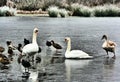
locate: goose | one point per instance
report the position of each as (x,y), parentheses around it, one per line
(56,45)
(74,53)
(32,48)
(108,46)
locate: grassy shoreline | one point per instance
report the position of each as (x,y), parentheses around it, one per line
(73,10)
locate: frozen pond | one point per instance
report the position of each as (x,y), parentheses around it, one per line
(85,33)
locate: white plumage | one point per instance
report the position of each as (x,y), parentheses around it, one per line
(32,48)
(74,53)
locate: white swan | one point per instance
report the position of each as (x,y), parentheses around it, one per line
(32,48)
(108,46)
(74,53)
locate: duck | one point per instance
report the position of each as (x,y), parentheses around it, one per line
(26,64)
(56,45)
(26,41)
(108,45)
(9,44)
(2,49)
(19,47)
(4,59)
(48,43)
(75,54)
(10,49)
(32,48)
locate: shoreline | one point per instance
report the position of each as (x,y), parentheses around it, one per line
(35,15)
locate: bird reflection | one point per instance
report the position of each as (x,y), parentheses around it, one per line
(57,59)
(72,65)
(109,62)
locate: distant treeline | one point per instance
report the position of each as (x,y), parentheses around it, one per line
(44,4)
(3,2)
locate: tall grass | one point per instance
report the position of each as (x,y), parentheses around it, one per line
(53,11)
(63,12)
(106,11)
(80,10)
(6,11)
(97,11)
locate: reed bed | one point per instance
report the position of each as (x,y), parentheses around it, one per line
(97,11)
(54,11)
(106,11)
(6,11)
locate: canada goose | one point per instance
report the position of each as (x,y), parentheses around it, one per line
(108,46)
(75,53)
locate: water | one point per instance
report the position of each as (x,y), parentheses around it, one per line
(85,34)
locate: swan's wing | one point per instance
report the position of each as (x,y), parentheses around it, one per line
(111,43)
(77,54)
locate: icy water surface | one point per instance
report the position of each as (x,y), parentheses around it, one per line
(85,34)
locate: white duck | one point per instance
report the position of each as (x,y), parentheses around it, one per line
(32,48)
(108,46)
(75,53)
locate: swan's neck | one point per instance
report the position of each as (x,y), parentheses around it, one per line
(68,46)
(106,40)
(105,44)
(34,39)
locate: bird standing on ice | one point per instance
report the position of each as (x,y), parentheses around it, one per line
(75,53)
(32,48)
(108,46)
(56,45)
